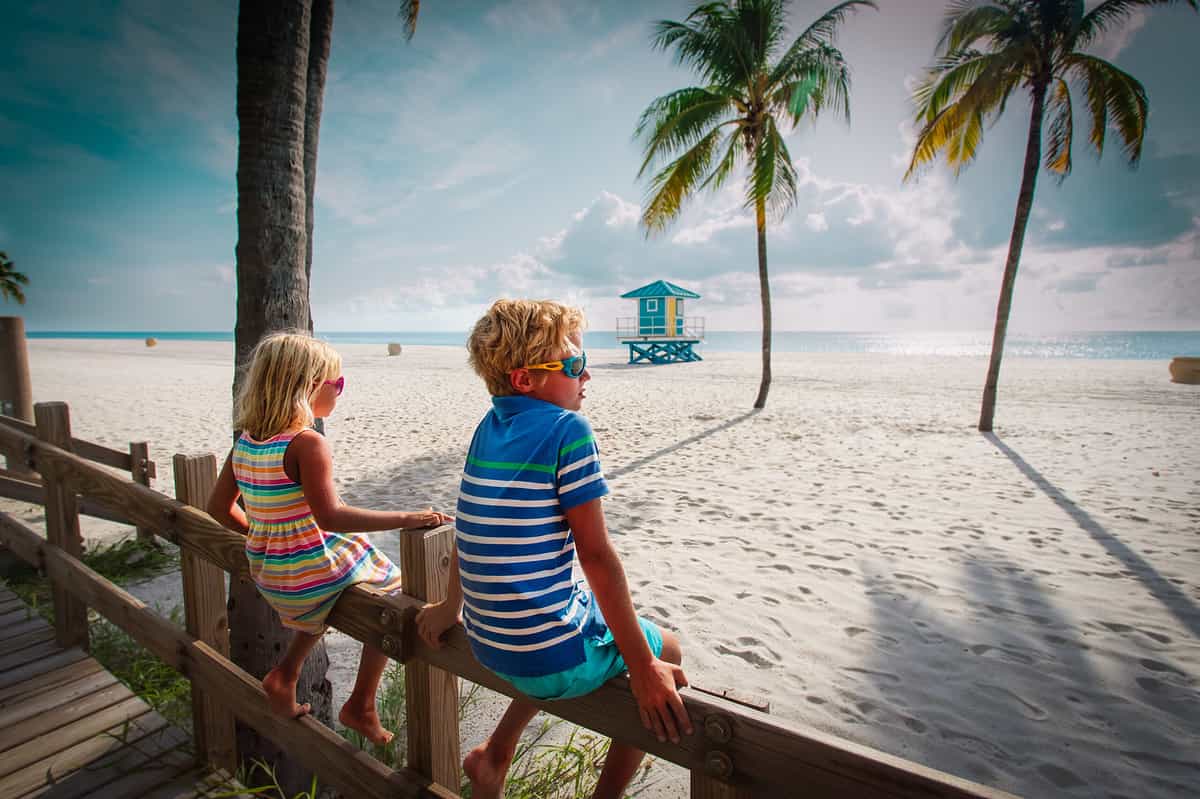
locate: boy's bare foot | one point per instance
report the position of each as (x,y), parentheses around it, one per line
(366,723)
(486,769)
(281,696)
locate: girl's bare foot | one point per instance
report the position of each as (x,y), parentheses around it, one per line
(366,723)
(281,696)
(486,769)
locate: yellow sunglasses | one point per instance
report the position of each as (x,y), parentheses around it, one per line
(571,367)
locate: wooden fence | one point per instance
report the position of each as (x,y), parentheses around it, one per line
(735,752)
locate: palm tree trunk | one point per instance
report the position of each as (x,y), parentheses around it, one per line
(764,288)
(272,282)
(1033,158)
(320,38)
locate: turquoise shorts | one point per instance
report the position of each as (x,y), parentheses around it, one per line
(603,662)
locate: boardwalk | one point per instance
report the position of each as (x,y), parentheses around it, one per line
(68,728)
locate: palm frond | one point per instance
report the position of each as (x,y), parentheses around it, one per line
(1112,13)
(729,162)
(818,80)
(1112,93)
(672,186)
(820,35)
(966,23)
(702,42)
(949,78)
(774,175)
(409,9)
(678,120)
(1062,130)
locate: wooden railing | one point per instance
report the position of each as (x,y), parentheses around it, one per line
(735,752)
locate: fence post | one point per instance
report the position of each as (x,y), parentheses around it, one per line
(62,524)
(431,695)
(206,616)
(139,471)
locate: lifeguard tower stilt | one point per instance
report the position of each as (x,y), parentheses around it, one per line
(660,333)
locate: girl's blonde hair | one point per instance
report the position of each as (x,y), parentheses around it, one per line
(284,370)
(516,333)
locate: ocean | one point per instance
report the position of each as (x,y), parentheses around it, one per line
(1129,345)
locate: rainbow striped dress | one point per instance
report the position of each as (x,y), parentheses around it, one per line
(299,568)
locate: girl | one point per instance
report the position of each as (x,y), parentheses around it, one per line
(294,521)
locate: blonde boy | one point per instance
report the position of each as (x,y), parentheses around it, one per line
(529,503)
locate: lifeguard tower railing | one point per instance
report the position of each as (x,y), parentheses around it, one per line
(628,328)
(737,752)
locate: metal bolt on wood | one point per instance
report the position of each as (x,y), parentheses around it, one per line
(386,617)
(390,645)
(718,729)
(718,764)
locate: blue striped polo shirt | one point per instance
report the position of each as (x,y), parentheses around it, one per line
(529,462)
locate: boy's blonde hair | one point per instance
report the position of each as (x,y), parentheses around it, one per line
(284,369)
(516,333)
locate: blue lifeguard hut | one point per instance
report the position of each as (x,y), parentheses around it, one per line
(660,333)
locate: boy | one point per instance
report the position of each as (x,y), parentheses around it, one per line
(529,502)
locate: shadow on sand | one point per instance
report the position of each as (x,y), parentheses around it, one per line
(640,462)
(1159,587)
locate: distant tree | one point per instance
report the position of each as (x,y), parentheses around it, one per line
(282,60)
(988,51)
(754,87)
(11,280)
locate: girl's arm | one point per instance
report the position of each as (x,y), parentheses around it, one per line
(652,681)
(309,462)
(222,503)
(435,619)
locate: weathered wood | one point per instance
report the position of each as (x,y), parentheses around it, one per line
(19,642)
(705,787)
(64,714)
(337,761)
(49,680)
(768,757)
(13,678)
(431,694)
(37,704)
(34,493)
(102,454)
(139,472)
(62,524)
(70,731)
(12,660)
(70,752)
(103,777)
(206,616)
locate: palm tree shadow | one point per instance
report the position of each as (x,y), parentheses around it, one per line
(1159,587)
(640,462)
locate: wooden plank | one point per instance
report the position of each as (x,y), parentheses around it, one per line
(50,680)
(154,770)
(207,618)
(61,716)
(15,677)
(34,623)
(62,524)
(18,424)
(8,604)
(44,702)
(100,453)
(431,694)
(139,472)
(768,756)
(13,616)
(99,777)
(56,766)
(28,655)
(66,735)
(34,493)
(199,785)
(29,639)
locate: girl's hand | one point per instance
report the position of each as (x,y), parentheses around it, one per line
(433,620)
(428,518)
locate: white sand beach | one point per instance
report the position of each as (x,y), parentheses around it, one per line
(1020,609)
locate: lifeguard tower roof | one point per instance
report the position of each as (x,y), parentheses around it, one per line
(660,288)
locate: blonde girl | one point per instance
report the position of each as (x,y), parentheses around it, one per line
(299,538)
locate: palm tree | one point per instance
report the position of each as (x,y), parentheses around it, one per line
(754,88)
(282,59)
(988,50)
(11,280)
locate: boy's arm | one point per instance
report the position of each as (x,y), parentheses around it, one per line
(435,619)
(653,681)
(222,502)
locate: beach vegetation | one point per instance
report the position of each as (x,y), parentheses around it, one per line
(990,51)
(11,280)
(282,59)
(755,88)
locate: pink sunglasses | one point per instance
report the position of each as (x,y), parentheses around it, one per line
(338,384)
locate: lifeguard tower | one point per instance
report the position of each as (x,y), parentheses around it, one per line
(660,333)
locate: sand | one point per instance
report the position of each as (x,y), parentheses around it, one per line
(1020,609)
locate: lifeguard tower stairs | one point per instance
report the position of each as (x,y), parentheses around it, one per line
(660,333)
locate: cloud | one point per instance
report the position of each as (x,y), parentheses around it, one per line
(817,222)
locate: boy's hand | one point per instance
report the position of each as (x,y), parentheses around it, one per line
(433,620)
(428,518)
(657,695)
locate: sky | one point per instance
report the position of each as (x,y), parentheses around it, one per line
(493,155)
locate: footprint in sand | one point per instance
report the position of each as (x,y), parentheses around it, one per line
(1027,709)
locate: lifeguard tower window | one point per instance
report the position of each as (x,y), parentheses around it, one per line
(652,305)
